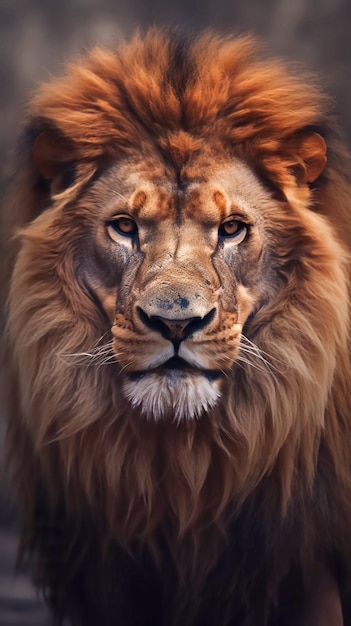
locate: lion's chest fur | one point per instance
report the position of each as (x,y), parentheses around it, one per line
(145,588)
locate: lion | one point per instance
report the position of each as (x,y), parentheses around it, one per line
(178,339)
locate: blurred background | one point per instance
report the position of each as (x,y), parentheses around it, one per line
(37,36)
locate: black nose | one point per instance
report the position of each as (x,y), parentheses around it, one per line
(176,330)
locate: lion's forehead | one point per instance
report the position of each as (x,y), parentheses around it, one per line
(206,193)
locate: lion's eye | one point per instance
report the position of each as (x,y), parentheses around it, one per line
(122,225)
(233,228)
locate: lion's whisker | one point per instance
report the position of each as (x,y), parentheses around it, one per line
(259,351)
(123,198)
(253,353)
(126,365)
(240,359)
(112,358)
(101,355)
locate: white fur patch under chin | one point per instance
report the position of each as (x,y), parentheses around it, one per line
(172,395)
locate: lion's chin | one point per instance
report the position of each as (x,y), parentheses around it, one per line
(173,394)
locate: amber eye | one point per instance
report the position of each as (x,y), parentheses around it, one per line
(122,225)
(233,228)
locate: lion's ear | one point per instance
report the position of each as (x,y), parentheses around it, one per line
(312,152)
(53,157)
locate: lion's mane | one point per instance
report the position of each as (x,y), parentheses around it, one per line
(275,461)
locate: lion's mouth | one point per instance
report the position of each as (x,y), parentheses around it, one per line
(176,367)
(174,390)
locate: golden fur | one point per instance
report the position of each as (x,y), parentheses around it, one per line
(280,435)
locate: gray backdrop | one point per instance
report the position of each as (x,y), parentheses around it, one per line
(36,36)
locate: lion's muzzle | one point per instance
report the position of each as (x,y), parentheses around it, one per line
(175,329)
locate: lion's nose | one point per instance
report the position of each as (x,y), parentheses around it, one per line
(176,330)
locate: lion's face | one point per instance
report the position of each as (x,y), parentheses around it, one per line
(178,264)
